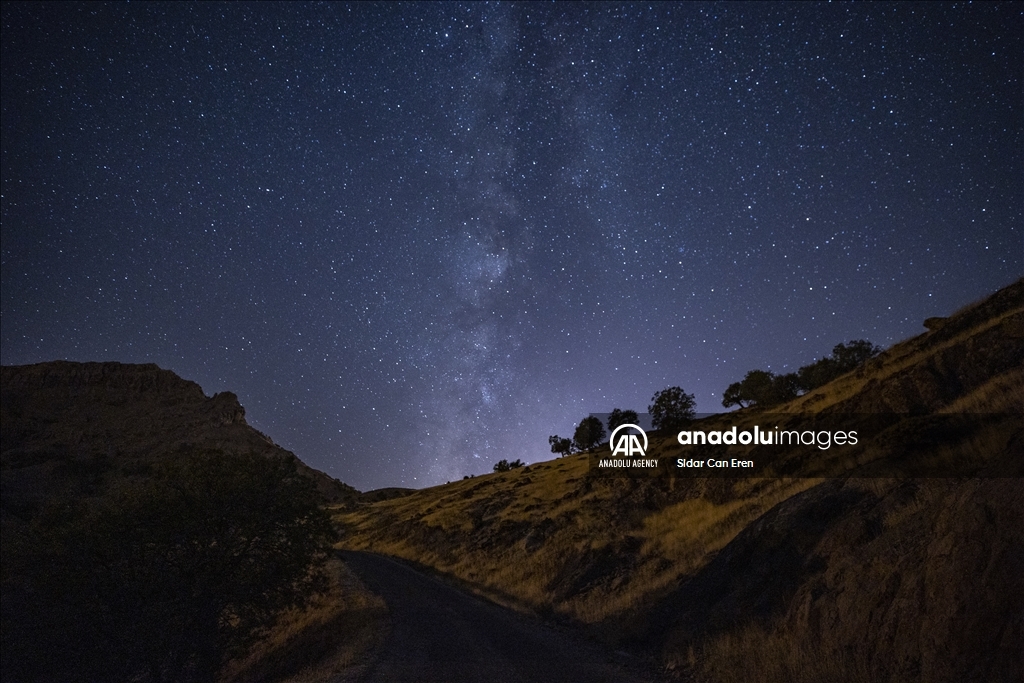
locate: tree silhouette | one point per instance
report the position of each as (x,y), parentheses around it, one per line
(560,445)
(589,433)
(734,396)
(671,408)
(763,388)
(853,353)
(506,466)
(844,358)
(622,417)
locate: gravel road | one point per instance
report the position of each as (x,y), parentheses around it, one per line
(441,634)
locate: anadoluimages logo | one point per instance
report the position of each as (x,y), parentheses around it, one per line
(628,444)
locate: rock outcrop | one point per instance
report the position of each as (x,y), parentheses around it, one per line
(60,420)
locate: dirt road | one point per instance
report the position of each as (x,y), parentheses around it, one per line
(441,634)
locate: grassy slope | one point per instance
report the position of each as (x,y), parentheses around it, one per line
(626,558)
(327,641)
(551,539)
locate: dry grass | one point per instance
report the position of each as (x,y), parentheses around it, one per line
(757,655)
(553,539)
(678,541)
(321,643)
(687,532)
(1001,394)
(550,539)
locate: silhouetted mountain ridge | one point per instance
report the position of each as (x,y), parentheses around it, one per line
(67,426)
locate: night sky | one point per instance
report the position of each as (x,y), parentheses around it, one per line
(419,238)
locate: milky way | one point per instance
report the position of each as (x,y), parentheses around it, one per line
(419,238)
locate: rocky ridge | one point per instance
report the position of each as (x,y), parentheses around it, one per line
(65,424)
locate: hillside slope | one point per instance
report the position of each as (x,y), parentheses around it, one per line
(768,579)
(67,425)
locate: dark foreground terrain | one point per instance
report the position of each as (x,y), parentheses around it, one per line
(868,575)
(438,633)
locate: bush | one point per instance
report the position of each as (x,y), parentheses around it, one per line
(505,466)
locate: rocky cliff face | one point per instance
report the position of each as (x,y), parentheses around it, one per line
(59,420)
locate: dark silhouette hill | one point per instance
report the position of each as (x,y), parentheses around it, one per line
(67,428)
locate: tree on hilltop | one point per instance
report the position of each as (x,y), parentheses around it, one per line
(735,396)
(671,408)
(854,353)
(844,358)
(561,446)
(622,417)
(589,433)
(761,388)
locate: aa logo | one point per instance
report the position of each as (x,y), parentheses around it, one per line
(628,444)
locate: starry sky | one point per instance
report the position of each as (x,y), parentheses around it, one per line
(419,238)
